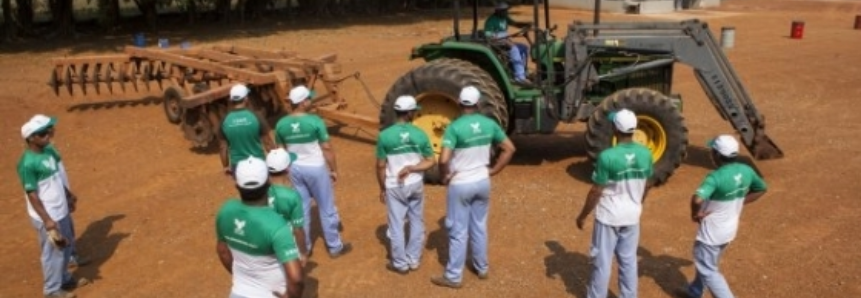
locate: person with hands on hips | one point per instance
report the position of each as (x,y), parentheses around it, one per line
(243,132)
(716,206)
(619,187)
(254,243)
(464,164)
(496,29)
(286,201)
(403,154)
(48,205)
(315,170)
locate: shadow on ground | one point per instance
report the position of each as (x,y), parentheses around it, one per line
(98,244)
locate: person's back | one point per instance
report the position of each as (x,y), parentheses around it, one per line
(724,191)
(242,129)
(302,134)
(472,136)
(402,145)
(288,203)
(624,171)
(260,241)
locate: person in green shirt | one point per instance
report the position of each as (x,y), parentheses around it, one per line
(496,29)
(716,207)
(254,243)
(48,205)
(465,167)
(403,154)
(286,200)
(619,187)
(243,132)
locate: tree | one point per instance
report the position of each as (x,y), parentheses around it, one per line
(63,16)
(25,14)
(9,25)
(149,10)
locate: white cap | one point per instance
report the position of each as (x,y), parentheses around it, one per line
(406,103)
(299,94)
(38,123)
(469,96)
(624,120)
(251,173)
(279,160)
(726,145)
(238,92)
(502,5)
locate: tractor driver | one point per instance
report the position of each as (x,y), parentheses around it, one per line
(496,29)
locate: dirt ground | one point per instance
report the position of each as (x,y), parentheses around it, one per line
(147,201)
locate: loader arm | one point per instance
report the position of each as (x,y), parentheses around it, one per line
(689,42)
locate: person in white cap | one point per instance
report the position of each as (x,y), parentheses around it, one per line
(619,187)
(403,154)
(254,243)
(48,205)
(75,260)
(315,170)
(286,200)
(496,29)
(243,132)
(716,206)
(465,168)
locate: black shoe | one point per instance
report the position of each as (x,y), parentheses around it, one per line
(523,82)
(74,284)
(345,249)
(444,282)
(392,268)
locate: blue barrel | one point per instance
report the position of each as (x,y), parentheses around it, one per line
(140,40)
(163,43)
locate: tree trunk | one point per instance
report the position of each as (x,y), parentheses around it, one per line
(63,15)
(9,26)
(149,10)
(24,14)
(110,13)
(223,9)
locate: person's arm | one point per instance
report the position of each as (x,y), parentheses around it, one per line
(297,222)
(326,146)
(287,253)
(592,200)
(295,280)
(224,256)
(381,178)
(425,164)
(697,212)
(757,189)
(223,151)
(49,223)
(265,138)
(31,188)
(508,149)
(444,171)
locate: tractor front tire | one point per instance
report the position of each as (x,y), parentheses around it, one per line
(172,109)
(660,127)
(436,86)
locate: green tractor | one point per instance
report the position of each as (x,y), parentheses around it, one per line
(594,70)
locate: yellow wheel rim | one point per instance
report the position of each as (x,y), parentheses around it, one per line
(650,133)
(437,111)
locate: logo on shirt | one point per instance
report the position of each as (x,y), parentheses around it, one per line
(475,127)
(239,227)
(405,137)
(295,127)
(271,201)
(630,158)
(737,178)
(50,163)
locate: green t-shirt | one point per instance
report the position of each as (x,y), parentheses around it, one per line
(724,191)
(402,145)
(623,171)
(255,230)
(288,203)
(497,26)
(242,130)
(302,134)
(40,173)
(470,138)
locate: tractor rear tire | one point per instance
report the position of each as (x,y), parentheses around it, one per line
(436,86)
(660,127)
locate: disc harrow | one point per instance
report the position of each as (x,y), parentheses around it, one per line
(193,84)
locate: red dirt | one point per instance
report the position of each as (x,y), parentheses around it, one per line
(147,201)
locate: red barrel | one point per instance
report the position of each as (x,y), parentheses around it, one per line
(797,31)
(858,22)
